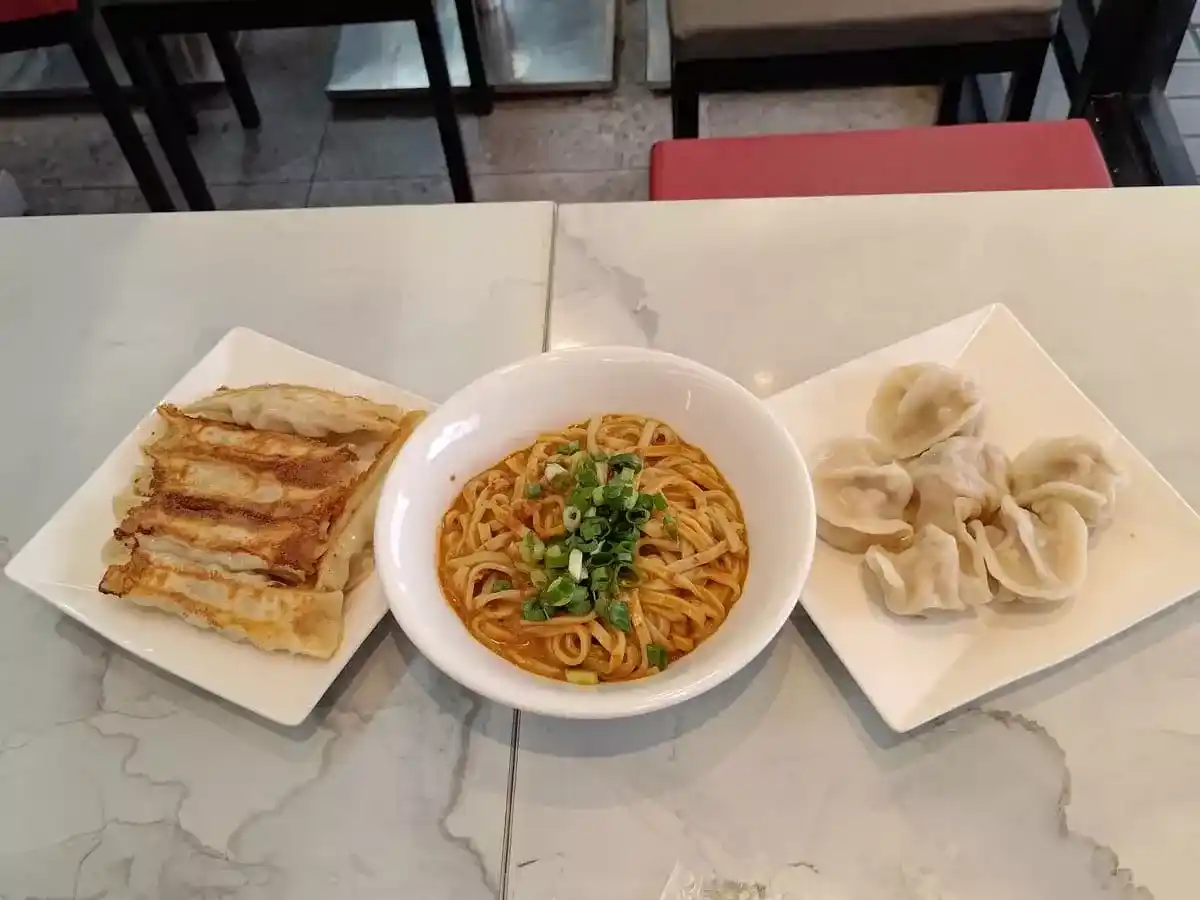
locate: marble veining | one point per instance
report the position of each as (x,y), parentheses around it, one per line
(1078,782)
(119,781)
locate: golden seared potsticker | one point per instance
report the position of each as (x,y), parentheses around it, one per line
(253,512)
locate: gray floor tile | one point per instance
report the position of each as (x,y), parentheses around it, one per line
(728,115)
(565,187)
(1189,49)
(63,151)
(288,68)
(631,51)
(381,192)
(1185,80)
(288,195)
(1193,149)
(53,201)
(361,148)
(1187,115)
(571,134)
(285,148)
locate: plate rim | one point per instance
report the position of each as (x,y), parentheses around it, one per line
(920,713)
(237,340)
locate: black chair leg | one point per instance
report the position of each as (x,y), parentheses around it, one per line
(177,98)
(685,103)
(107,92)
(440,89)
(1023,88)
(235,79)
(166,125)
(481,92)
(951,103)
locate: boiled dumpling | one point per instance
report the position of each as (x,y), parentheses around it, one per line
(958,479)
(1073,469)
(936,572)
(861,495)
(916,406)
(1038,553)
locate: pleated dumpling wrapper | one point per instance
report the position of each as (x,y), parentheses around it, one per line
(1074,469)
(958,479)
(917,406)
(938,572)
(1037,554)
(861,496)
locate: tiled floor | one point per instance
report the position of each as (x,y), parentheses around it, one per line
(308,153)
(1183,90)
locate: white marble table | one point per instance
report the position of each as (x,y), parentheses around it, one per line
(117,781)
(1081,784)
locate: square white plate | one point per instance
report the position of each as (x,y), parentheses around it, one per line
(63,563)
(914,669)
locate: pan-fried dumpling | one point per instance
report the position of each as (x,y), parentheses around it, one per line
(1073,469)
(958,479)
(1037,554)
(916,406)
(297,409)
(938,572)
(861,495)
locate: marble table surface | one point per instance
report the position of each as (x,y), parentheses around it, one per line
(1082,783)
(117,781)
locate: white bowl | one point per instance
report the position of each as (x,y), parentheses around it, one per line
(505,411)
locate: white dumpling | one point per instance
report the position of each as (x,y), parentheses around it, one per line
(298,409)
(1075,469)
(938,572)
(1036,554)
(916,406)
(958,479)
(861,494)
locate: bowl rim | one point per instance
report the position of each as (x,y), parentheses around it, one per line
(583,704)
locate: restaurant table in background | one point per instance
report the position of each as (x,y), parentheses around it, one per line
(116,779)
(785,776)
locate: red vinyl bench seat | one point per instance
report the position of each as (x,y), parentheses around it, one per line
(1009,156)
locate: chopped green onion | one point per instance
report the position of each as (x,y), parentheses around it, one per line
(598,496)
(538,578)
(582,676)
(571,518)
(585,472)
(631,500)
(626,461)
(602,602)
(659,500)
(618,615)
(502,584)
(581,498)
(532,548)
(553,470)
(580,603)
(556,557)
(558,592)
(532,611)
(637,516)
(656,655)
(575,564)
(568,449)
(533,491)
(614,493)
(625,476)
(672,528)
(600,456)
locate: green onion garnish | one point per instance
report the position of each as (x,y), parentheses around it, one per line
(502,584)
(532,611)
(656,655)
(587,569)
(672,528)
(618,615)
